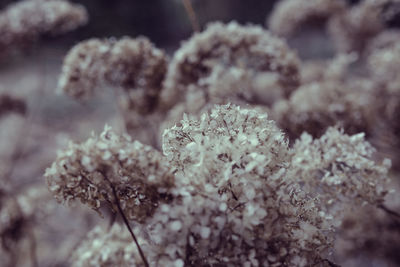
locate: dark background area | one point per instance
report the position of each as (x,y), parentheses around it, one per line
(165,22)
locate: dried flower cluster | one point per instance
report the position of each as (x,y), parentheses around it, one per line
(226,185)
(228,63)
(341,167)
(236,196)
(106,248)
(25,21)
(289,16)
(134,65)
(232,62)
(108,167)
(327,98)
(350,27)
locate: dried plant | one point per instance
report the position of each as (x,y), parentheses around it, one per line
(24,22)
(288,16)
(342,168)
(134,67)
(106,248)
(351,30)
(92,171)
(328,98)
(228,63)
(226,185)
(231,62)
(233,189)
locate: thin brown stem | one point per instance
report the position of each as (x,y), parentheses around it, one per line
(125,219)
(192,15)
(389,211)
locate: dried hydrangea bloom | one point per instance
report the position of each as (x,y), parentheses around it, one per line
(341,168)
(275,226)
(107,248)
(289,15)
(25,21)
(230,138)
(193,106)
(328,99)
(230,61)
(352,30)
(10,104)
(371,234)
(108,165)
(134,65)
(316,106)
(233,203)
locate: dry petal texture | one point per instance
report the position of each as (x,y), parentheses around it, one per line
(290,15)
(231,62)
(134,65)
(328,98)
(107,248)
(237,195)
(25,21)
(91,171)
(233,203)
(341,168)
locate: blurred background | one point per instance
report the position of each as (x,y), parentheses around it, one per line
(29,144)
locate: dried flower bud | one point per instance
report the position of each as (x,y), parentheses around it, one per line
(134,65)
(290,15)
(25,21)
(91,171)
(107,248)
(231,62)
(341,168)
